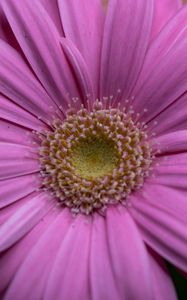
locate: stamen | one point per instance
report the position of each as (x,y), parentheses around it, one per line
(94,158)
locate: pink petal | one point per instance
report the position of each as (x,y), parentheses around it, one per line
(163,11)
(6,33)
(126,36)
(179,159)
(172,143)
(39,261)
(169,37)
(16,255)
(163,285)
(171,119)
(16,160)
(14,134)
(40,42)
(13,113)
(23,220)
(9,210)
(171,171)
(80,69)
(161,214)
(118,257)
(158,85)
(53,10)
(18,83)
(69,275)
(80,26)
(102,279)
(11,190)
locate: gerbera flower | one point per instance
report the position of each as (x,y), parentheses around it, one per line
(93,147)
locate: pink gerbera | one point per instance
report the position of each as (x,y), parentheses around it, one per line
(93,149)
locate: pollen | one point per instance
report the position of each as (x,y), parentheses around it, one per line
(94,158)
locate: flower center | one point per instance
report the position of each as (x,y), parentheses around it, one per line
(93,159)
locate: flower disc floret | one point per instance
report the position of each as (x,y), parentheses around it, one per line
(94,158)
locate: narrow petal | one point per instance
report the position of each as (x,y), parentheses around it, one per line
(169,37)
(11,190)
(6,33)
(53,10)
(128,254)
(13,113)
(69,275)
(24,220)
(172,143)
(126,36)
(16,160)
(40,259)
(18,83)
(12,259)
(9,210)
(40,42)
(118,256)
(163,285)
(80,69)
(14,134)
(164,10)
(179,159)
(80,26)
(159,85)
(171,119)
(3,25)
(102,279)
(171,171)
(161,214)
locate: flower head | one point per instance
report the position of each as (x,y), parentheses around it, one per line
(93,149)
(94,158)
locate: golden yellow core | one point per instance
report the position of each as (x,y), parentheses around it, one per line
(94,157)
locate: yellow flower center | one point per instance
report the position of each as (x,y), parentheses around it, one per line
(93,159)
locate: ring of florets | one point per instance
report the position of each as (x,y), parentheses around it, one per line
(94,158)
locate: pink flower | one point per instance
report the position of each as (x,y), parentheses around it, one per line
(92,192)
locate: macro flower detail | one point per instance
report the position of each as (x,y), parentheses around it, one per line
(93,149)
(94,158)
